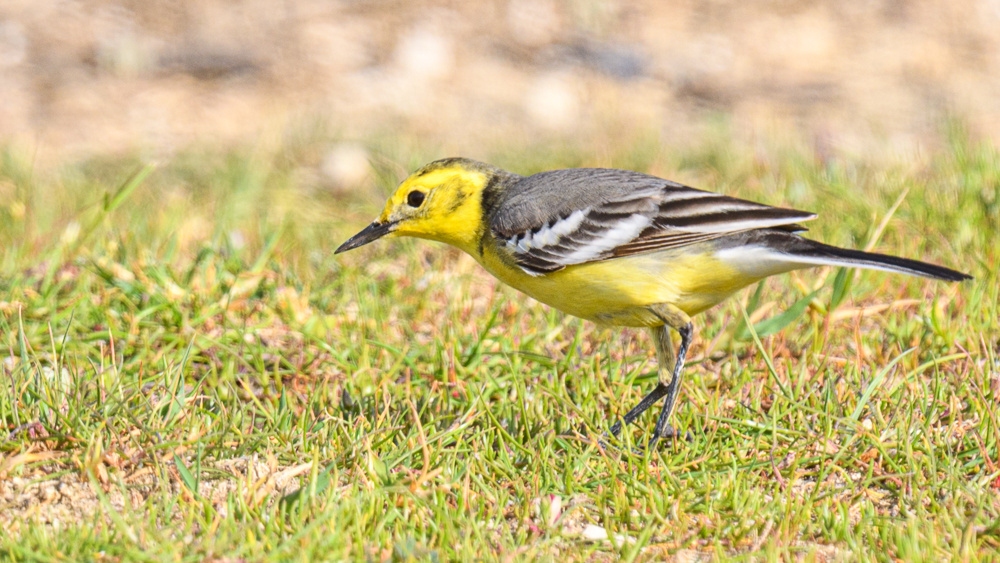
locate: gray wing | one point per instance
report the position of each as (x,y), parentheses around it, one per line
(556,219)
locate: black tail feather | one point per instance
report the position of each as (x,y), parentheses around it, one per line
(884,261)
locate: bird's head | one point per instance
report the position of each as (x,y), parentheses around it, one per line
(442,201)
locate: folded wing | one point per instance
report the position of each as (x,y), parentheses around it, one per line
(557,219)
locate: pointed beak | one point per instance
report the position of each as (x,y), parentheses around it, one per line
(370,233)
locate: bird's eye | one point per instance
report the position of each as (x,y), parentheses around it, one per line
(415,198)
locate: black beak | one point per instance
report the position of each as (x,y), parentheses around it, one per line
(372,232)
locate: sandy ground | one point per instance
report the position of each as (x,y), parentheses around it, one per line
(86,77)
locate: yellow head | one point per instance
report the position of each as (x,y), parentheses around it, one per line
(442,201)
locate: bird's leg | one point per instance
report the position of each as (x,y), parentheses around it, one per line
(649,400)
(670,370)
(664,347)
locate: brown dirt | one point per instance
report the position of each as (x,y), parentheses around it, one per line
(50,495)
(90,77)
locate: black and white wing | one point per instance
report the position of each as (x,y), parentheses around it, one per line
(556,219)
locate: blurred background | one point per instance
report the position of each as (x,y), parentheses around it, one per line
(80,78)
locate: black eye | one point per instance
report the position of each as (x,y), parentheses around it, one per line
(415,198)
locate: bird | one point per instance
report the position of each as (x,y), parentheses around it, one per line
(616,247)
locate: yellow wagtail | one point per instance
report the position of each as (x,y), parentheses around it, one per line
(615,247)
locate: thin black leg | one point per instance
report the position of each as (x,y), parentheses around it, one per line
(649,400)
(663,429)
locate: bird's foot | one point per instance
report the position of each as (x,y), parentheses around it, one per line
(669,434)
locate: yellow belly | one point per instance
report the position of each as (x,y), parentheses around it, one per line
(618,291)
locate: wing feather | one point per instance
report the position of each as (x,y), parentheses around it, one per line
(564,217)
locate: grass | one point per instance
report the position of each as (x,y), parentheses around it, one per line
(188,373)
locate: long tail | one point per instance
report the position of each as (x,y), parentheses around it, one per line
(781,247)
(831,255)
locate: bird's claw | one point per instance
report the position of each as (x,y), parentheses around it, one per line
(669,434)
